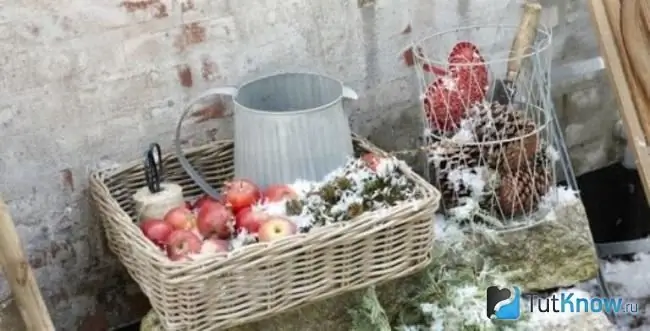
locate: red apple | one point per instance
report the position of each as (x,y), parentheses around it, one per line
(180,218)
(182,243)
(188,205)
(241,193)
(371,160)
(279,192)
(276,228)
(250,219)
(215,218)
(215,245)
(202,200)
(156,230)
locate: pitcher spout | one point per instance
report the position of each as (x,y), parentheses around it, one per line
(349,93)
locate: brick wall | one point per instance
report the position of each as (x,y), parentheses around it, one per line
(90,83)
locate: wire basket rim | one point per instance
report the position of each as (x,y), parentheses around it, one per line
(544,41)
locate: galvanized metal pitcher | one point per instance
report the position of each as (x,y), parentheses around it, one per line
(288,126)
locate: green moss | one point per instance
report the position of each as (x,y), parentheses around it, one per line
(294,207)
(329,193)
(368,190)
(355,209)
(343,183)
(553,254)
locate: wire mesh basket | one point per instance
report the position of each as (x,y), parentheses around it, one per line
(488,116)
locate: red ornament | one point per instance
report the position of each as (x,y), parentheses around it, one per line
(469,66)
(464,84)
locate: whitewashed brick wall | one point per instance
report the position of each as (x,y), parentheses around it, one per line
(87,83)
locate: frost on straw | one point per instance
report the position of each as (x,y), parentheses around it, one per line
(454,298)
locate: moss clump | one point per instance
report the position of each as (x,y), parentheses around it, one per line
(294,207)
(353,190)
(558,252)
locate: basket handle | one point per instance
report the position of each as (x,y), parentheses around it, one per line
(226,90)
(526,34)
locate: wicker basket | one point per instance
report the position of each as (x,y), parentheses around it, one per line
(258,280)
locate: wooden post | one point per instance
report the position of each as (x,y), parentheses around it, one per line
(20,276)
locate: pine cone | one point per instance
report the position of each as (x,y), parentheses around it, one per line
(494,123)
(520,192)
(452,192)
(445,157)
(517,154)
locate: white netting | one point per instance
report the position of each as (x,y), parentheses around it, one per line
(489,133)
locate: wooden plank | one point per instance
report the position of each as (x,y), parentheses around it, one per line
(615,68)
(20,276)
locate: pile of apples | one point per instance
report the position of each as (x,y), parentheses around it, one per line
(208,225)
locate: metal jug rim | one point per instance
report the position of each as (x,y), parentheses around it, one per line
(345,93)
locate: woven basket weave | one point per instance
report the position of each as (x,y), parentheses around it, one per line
(259,280)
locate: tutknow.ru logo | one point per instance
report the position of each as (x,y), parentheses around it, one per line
(569,303)
(503,303)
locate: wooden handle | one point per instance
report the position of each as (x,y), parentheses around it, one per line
(20,276)
(526,34)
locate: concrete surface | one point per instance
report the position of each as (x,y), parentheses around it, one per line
(89,83)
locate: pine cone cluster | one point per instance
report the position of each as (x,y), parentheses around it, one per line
(507,143)
(508,137)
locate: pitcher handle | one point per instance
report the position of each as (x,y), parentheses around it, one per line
(226,90)
(349,93)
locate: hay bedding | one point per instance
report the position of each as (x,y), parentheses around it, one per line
(627,279)
(468,263)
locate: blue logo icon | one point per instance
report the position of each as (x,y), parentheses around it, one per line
(503,303)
